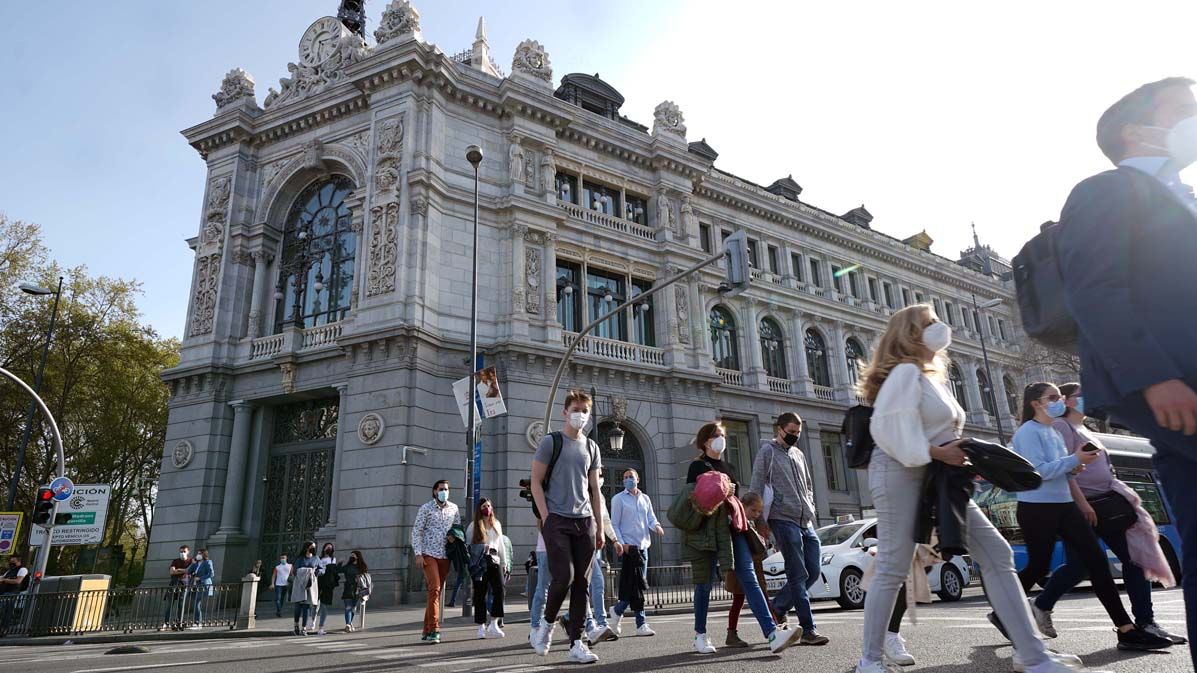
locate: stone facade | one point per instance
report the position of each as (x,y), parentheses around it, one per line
(263,404)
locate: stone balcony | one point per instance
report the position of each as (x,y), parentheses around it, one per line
(292,340)
(620,351)
(612,223)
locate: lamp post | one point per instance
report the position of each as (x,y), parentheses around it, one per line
(37,291)
(474,156)
(988,372)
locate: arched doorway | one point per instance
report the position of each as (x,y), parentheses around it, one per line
(631,454)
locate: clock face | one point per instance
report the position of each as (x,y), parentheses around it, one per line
(320,41)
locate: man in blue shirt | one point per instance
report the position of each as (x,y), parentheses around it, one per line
(633,518)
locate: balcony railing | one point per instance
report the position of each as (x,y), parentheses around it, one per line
(825,393)
(765,276)
(314,337)
(311,338)
(784,386)
(611,349)
(609,222)
(731,377)
(265,347)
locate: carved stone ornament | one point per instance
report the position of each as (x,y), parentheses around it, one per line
(288,377)
(532,273)
(548,172)
(515,160)
(181,456)
(689,221)
(384,247)
(532,60)
(386,175)
(325,50)
(236,87)
(534,433)
(216,213)
(530,171)
(370,429)
(619,408)
(665,218)
(203,304)
(682,301)
(419,205)
(359,142)
(390,137)
(398,19)
(517,300)
(667,119)
(313,155)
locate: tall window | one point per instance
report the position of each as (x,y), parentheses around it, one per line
(704,237)
(317,262)
(567,188)
(837,278)
(957,382)
(816,275)
(774,267)
(889,294)
(905,297)
(723,339)
(854,284)
(569,296)
(833,458)
(816,358)
(986,393)
(855,355)
(947,314)
(635,208)
(873,290)
(796,266)
(977,321)
(605,292)
(642,315)
(920,298)
(1002,329)
(773,350)
(752,243)
(935,302)
(1012,402)
(601,198)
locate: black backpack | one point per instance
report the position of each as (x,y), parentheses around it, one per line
(855,429)
(1040,290)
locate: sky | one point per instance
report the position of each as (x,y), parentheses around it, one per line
(933,115)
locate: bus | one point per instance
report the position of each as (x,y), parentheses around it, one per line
(1130,458)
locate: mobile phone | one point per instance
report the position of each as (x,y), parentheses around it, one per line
(1090,447)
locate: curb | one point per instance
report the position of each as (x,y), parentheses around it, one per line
(165,636)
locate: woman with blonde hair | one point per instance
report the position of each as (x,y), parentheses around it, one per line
(916,420)
(488,559)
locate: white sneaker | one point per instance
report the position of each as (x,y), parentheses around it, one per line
(782,637)
(533,633)
(702,644)
(894,649)
(195,627)
(613,620)
(598,634)
(322,632)
(544,639)
(481,631)
(493,630)
(1043,619)
(643,630)
(1053,666)
(580,654)
(1069,662)
(871,667)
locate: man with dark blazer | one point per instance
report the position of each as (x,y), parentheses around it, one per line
(1127,249)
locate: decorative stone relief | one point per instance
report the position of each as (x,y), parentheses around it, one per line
(271,171)
(390,136)
(682,301)
(360,143)
(238,86)
(668,120)
(665,220)
(515,160)
(517,300)
(619,408)
(203,305)
(530,171)
(532,273)
(313,155)
(325,50)
(182,454)
(386,175)
(288,376)
(219,193)
(688,223)
(384,247)
(390,145)
(534,433)
(419,205)
(370,429)
(398,19)
(548,172)
(532,61)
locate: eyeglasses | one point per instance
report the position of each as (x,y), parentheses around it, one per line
(1050,398)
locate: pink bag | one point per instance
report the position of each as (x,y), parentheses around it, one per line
(711,489)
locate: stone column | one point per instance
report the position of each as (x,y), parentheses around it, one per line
(839,363)
(234,479)
(756,376)
(818,469)
(254,329)
(552,327)
(972,390)
(801,376)
(702,332)
(519,318)
(329,529)
(1002,396)
(356,202)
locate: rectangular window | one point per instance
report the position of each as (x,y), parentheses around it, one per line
(905,297)
(752,243)
(704,237)
(635,208)
(992,326)
(854,284)
(723,236)
(873,290)
(920,298)
(947,313)
(888,291)
(569,301)
(1002,329)
(796,262)
(739,445)
(833,459)
(837,280)
(604,292)
(773,260)
(938,308)
(977,321)
(816,276)
(964,316)
(567,188)
(642,315)
(600,198)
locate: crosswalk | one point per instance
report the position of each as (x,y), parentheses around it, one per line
(456,663)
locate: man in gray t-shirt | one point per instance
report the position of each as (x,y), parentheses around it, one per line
(572,528)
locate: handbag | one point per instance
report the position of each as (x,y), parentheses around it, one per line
(859,444)
(1114,512)
(756,546)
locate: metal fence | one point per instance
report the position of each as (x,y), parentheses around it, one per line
(123,610)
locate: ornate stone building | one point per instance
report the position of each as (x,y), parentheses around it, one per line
(329,312)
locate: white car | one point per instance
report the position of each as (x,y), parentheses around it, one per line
(844,558)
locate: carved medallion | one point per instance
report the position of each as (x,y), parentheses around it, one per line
(182,453)
(370,428)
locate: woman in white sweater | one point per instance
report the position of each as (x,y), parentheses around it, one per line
(486,530)
(916,420)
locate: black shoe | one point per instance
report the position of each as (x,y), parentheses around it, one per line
(813,637)
(450,604)
(1141,639)
(997,624)
(1156,630)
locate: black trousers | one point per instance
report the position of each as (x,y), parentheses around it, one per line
(493,580)
(1042,523)
(569,544)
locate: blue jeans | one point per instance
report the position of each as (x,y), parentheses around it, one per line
(621,606)
(800,548)
(200,592)
(543,577)
(280,597)
(350,605)
(1067,576)
(746,574)
(457,587)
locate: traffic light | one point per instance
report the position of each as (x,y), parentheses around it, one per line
(60,519)
(43,508)
(739,272)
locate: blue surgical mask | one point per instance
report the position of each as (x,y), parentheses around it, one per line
(442,496)
(1080,405)
(629,484)
(1056,409)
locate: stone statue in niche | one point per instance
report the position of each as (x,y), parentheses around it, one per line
(664,211)
(548,172)
(515,159)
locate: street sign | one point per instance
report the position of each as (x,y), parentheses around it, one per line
(10,531)
(488,399)
(62,488)
(88,507)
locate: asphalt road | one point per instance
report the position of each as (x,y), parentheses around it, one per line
(949,637)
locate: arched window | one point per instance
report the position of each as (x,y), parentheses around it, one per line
(316,266)
(723,339)
(986,393)
(1011,395)
(773,349)
(957,382)
(854,354)
(816,358)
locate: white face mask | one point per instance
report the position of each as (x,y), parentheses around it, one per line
(183,555)
(937,336)
(578,420)
(1180,142)
(718,445)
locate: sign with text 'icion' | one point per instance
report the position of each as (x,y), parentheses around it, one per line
(88,507)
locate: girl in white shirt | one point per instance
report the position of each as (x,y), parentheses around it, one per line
(916,420)
(486,530)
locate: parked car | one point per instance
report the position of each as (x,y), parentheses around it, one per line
(844,558)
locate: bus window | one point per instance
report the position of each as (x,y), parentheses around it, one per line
(1153,502)
(1001,509)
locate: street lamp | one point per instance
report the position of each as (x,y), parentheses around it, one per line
(474,156)
(37,291)
(985,353)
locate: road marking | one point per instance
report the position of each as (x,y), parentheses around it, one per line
(134,668)
(451,662)
(385,653)
(393,655)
